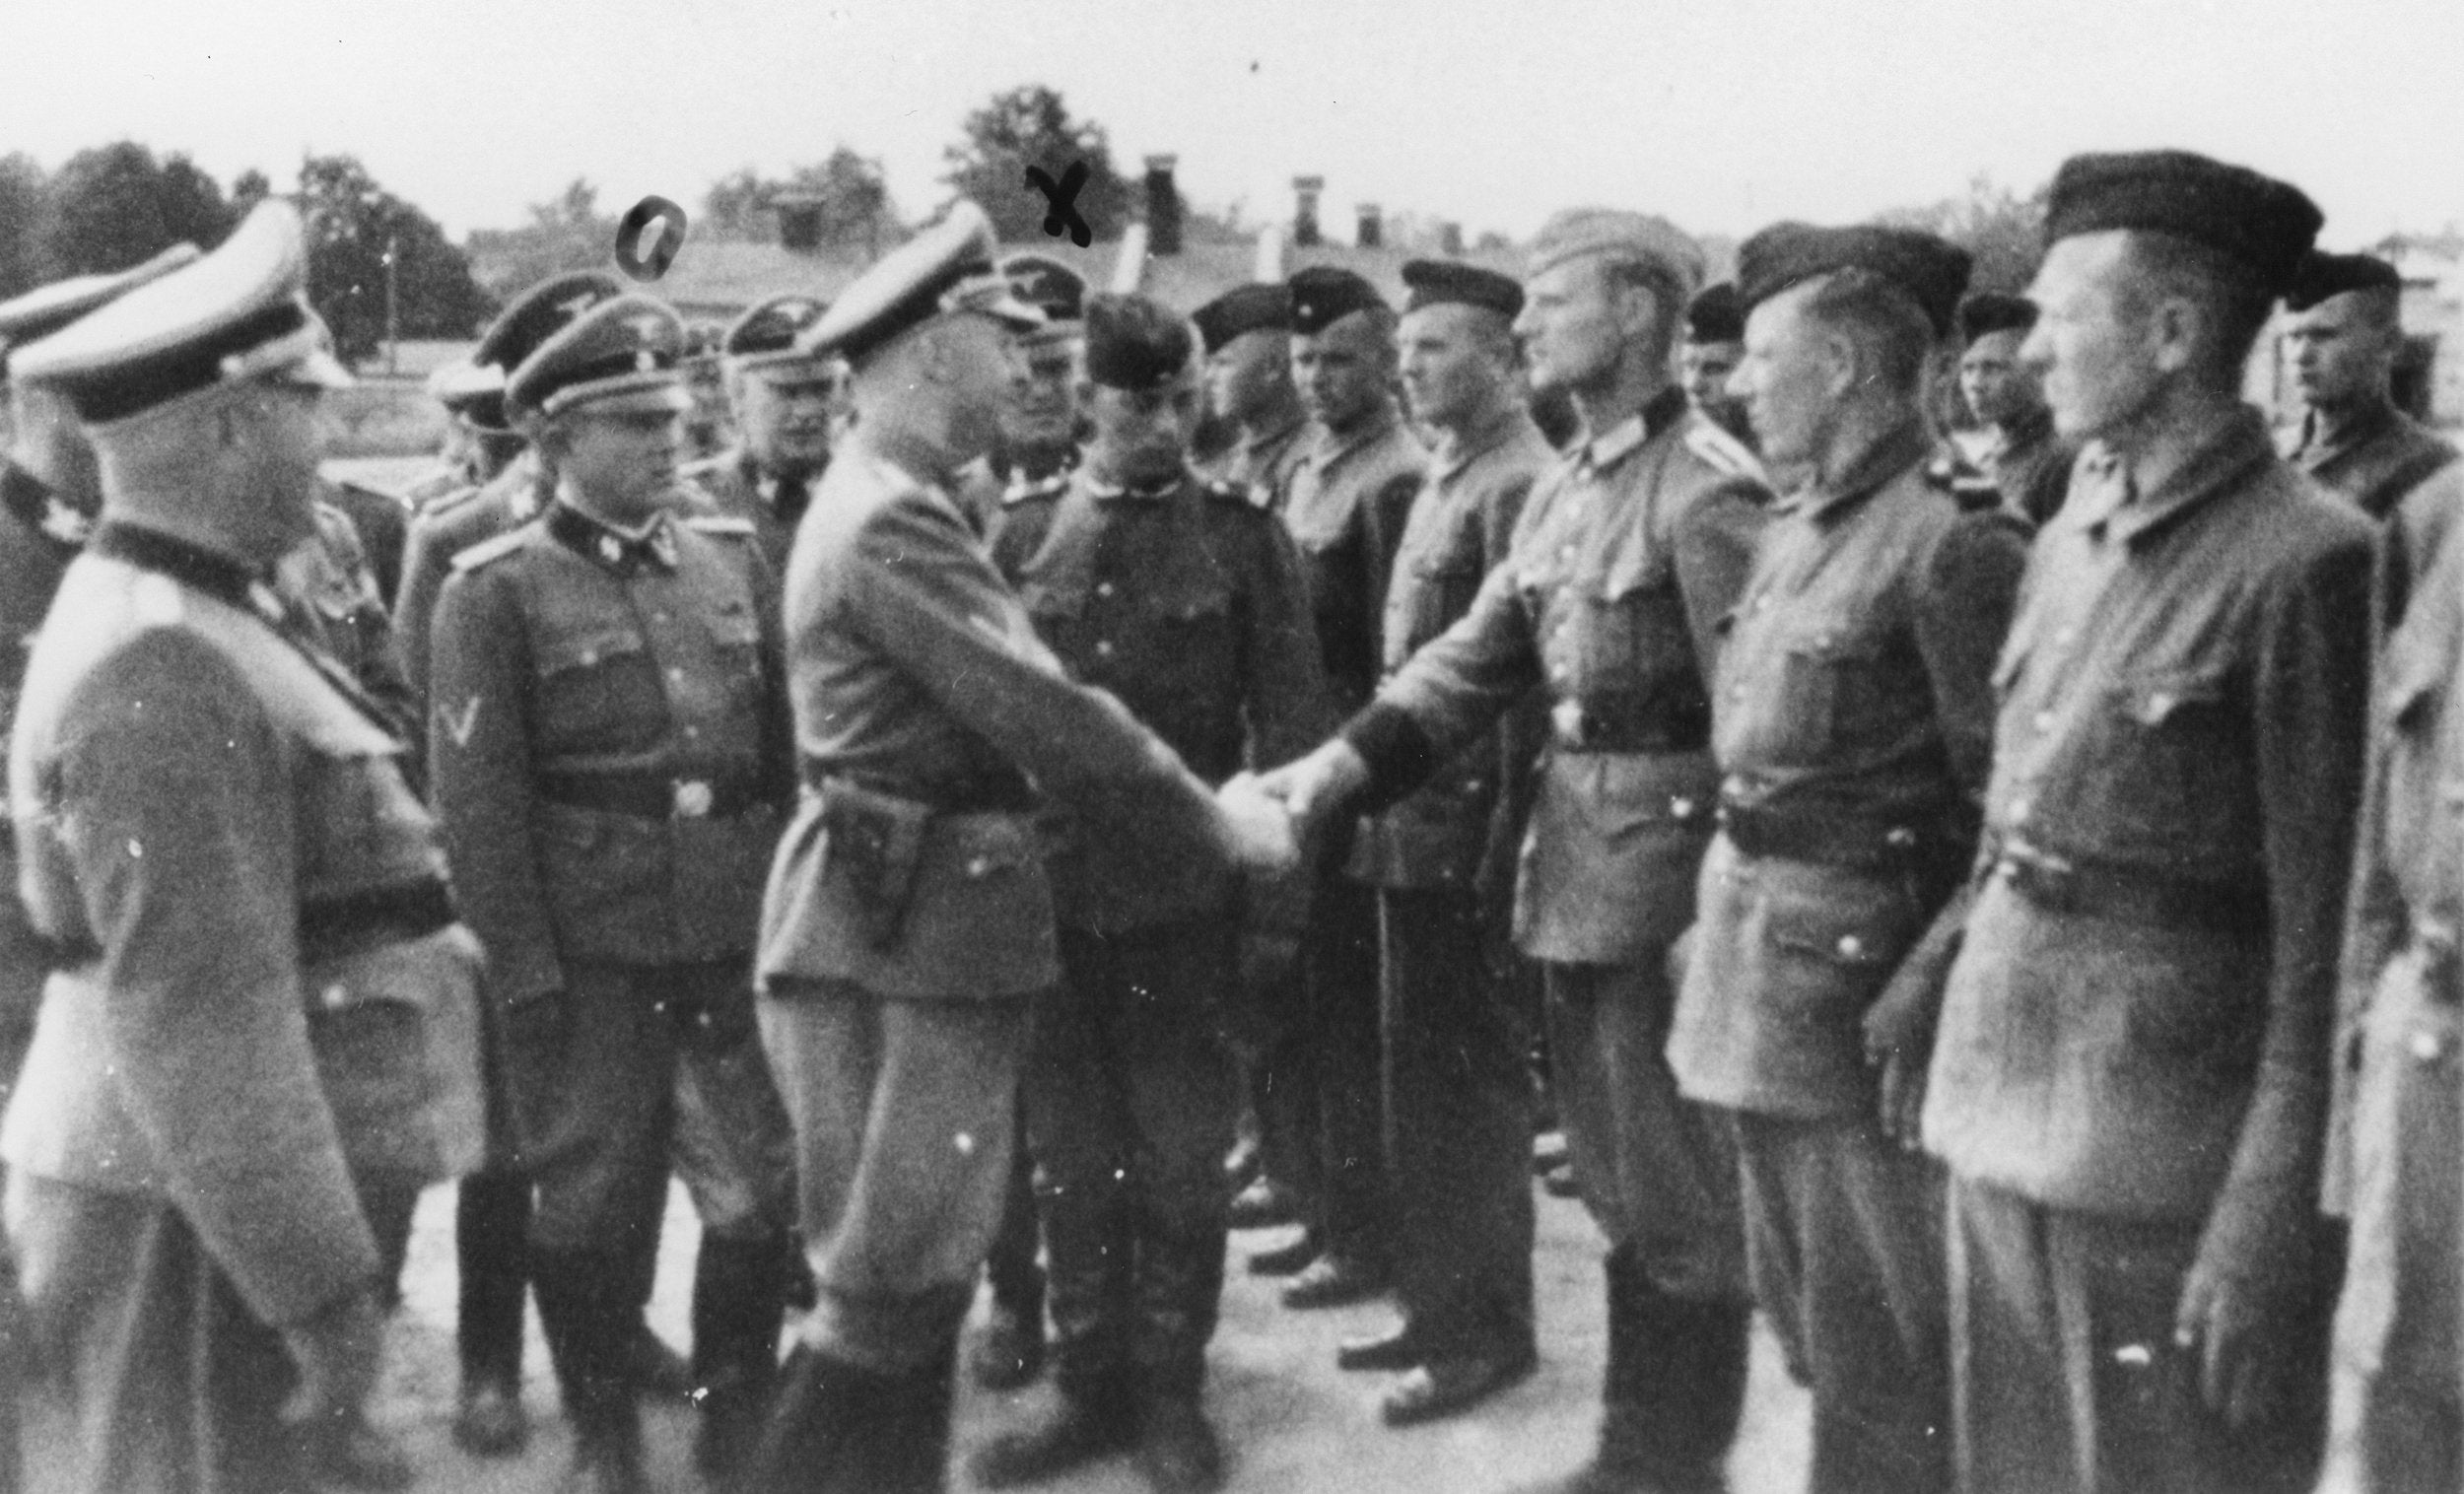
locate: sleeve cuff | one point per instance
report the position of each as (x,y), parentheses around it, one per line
(1399,754)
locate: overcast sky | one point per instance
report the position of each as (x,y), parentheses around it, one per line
(1723,115)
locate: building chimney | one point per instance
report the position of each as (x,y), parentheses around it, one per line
(1450,239)
(799,220)
(1305,190)
(1372,228)
(1163,206)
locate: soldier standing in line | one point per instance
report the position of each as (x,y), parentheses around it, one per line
(2345,326)
(783,399)
(1345,504)
(1184,600)
(256,967)
(1246,336)
(477,443)
(2395,1160)
(907,917)
(2028,466)
(2129,1084)
(1853,728)
(609,749)
(1458,1094)
(1633,549)
(1715,342)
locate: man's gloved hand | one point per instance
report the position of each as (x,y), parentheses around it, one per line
(2245,1296)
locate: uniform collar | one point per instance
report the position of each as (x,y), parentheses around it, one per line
(1374,427)
(782,495)
(2222,459)
(2323,438)
(1021,480)
(1865,471)
(1107,491)
(626,554)
(218,575)
(40,509)
(1276,435)
(1600,452)
(1458,452)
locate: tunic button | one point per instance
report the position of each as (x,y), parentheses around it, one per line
(1851,947)
(675,676)
(590,657)
(2019,808)
(2044,721)
(1103,589)
(1104,648)
(2427,1046)
(1681,809)
(658,617)
(338,996)
(979,866)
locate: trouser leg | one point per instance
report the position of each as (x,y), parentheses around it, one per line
(492,1265)
(1340,954)
(1844,1238)
(1077,1123)
(1012,1269)
(1459,1124)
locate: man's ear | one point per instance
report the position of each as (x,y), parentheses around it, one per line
(2175,327)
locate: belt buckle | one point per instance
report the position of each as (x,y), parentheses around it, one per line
(1566,716)
(691,799)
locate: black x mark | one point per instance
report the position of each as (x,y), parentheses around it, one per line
(1063,197)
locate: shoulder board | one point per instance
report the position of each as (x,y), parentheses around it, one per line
(720,523)
(488,550)
(1723,453)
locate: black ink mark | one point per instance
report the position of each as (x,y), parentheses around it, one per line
(1062,198)
(636,229)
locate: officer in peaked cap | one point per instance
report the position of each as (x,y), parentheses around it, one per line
(786,401)
(1715,340)
(709,427)
(478,442)
(1849,829)
(1455,1073)
(907,917)
(1346,504)
(2129,1079)
(49,491)
(1009,492)
(259,990)
(1634,545)
(2028,466)
(1184,602)
(2345,324)
(608,742)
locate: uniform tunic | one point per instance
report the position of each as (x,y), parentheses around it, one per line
(1854,706)
(894,960)
(1633,548)
(2133,1044)
(1260,464)
(2374,457)
(443,530)
(739,489)
(2031,466)
(1457,1088)
(1184,602)
(259,993)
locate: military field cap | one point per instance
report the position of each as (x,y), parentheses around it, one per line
(1634,238)
(763,340)
(238,315)
(1716,316)
(1244,310)
(1046,285)
(618,357)
(1990,312)
(2265,224)
(1451,281)
(1323,296)
(540,312)
(45,310)
(945,270)
(2319,277)
(1133,343)
(1931,270)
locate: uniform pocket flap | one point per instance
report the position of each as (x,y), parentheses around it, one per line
(2154,700)
(1835,935)
(584,649)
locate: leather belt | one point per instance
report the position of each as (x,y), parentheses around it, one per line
(1847,842)
(2124,893)
(648,797)
(1641,720)
(328,927)
(1005,795)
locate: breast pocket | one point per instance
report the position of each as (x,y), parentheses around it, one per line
(599,691)
(1827,688)
(2166,772)
(738,636)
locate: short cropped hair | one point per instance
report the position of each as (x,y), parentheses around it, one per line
(1881,319)
(2235,300)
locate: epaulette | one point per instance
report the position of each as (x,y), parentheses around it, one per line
(488,550)
(1723,453)
(720,523)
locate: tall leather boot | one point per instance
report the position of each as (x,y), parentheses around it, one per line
(905,1447)
(808,1443)
(1091,1255)
(586,1305)
(1181,1237)
(1687,1384)
(739,1287)
(492,1264)
(1620,1464)
(1012,1351)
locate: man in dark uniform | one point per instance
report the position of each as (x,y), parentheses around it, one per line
(2396,1142)
(1459,1096)
(1245,336)
(1028,468)
(2028,466)
(1633,549)
(709,427)
(1715,342)
(1853,730)
(477,443)
(610,748)
(783,399)
(251,940)
(907,916)
(2130,1079)
(1184,600)
(2345,327)
(1346,503)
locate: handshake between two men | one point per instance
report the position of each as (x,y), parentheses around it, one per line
(1267,816)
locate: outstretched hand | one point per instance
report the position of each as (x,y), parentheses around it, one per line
(1313,786)
(1259,829)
